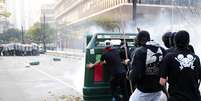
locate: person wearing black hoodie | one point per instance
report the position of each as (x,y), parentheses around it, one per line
(168,41)
(183,70)
(145,69)
(166,38)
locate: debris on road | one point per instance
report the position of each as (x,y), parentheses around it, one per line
(57,97)
(70,98)
(28,66)
(56,59)
(49,92)
(34,63)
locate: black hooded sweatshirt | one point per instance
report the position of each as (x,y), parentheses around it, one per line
(145,67)
(183,71)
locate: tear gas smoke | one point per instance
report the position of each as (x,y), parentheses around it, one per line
(175,19)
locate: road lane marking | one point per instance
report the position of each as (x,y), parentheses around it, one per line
(56,79)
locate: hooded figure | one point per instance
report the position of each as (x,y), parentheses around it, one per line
(142,38)
(182,68)
(167,38)
(145,69)
(182,39)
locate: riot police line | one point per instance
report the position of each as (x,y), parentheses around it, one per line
(18,49)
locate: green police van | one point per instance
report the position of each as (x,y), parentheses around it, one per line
(96,80)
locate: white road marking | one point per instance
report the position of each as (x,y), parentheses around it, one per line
(56,79)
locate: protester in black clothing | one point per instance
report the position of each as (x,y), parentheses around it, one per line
(168,40)
(145,69)
(136,44)
(190,47)
(1,50)
(183,70)
(125,58)
(124,51)
(112,60)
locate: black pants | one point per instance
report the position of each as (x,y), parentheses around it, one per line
(118,87)
(183,98)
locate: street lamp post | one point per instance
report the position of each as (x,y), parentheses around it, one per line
(22,34)
(134,9)
(43,33)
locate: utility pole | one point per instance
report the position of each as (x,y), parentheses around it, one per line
(44,34)
(22,30)
(134,9)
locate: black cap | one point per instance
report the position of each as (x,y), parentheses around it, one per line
(142,37)
(182,39)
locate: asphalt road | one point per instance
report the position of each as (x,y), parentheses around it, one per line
(48,81)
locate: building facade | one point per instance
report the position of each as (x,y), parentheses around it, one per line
(47,15)
(4,24)
(70,13)
(75,15)
(171,2)
(47,21)
(71,10)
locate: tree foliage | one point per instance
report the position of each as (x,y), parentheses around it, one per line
(107,23)
(36,33)
(2,1)
(11,35)
(5,14)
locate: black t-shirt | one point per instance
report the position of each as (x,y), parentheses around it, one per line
(123,54)
(183,71)
(113,62)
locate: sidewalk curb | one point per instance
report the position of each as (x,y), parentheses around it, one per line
(66,54)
